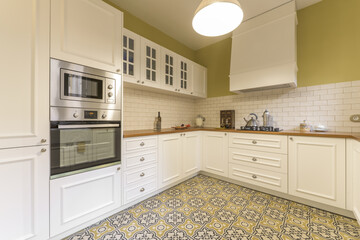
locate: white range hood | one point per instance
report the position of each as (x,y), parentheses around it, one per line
(263,54)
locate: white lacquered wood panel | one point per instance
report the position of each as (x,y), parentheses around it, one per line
(199,81)
(129,36)
(139,143)
(24,58)
(259,142)
(139,174)
(79,198)
(141,158)
(192,152)
(215,153)
(263,178)
(170,159)
(356,180)
(317,169)
(86,32)
(263,160)
(139,190)
(24,187)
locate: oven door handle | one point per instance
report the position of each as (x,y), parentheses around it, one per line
(88,126)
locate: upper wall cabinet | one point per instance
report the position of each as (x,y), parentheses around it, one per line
(168,70)
(263,53)
(24,91)
(199,80)
(86,32)
(185,71)
(150,58)
(131,56)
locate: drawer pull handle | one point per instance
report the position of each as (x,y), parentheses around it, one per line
(254,159)
(142,159)
(291,139)
(254,142)
(43,140)
(43,150)
(254,176)
(142,144)
(142,189)
(142,174)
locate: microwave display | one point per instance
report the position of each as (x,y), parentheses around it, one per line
(81,86)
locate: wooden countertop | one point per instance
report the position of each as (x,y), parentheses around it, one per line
(149,132)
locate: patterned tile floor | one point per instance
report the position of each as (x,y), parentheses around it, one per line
(205,208)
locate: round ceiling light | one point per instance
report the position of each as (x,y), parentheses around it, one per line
(217,17)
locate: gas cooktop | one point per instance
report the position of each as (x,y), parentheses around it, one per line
(261,129)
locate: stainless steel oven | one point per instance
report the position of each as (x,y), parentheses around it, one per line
(84,144)
(74,85)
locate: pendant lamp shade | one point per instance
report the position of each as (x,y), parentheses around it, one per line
(217,17)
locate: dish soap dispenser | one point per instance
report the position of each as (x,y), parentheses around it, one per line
(157,123)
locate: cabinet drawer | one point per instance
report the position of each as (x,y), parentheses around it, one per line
(141,174)
(263,178)
(134,144)
(263,160)
(139,159)
(259,142)
(139,190)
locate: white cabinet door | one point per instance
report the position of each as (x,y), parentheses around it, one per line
(199,81)
(24,91)
(86,32)
(317,169)
(169,77)
(215,153)
(170,159)
(131,56)
(356,179)
(24,187)
(185,70)
(150,63)
(79,198)
(192,152)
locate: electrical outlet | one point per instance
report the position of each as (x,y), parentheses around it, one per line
(355,118)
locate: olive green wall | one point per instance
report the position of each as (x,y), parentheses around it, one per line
(140,27)
(328,35)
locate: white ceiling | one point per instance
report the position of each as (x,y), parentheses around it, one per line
(174,17)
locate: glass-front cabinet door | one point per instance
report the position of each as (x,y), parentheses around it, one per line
(185,75)
(150,58)
(131,56)
(168,70)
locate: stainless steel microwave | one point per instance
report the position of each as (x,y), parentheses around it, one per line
(73,85)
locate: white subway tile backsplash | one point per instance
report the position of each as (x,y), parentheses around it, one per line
(330,104)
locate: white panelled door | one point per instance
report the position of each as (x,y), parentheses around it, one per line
(356,179)
(131,56)
(24,91)
(87,32)
(24,188)
(192,152)
(317,169)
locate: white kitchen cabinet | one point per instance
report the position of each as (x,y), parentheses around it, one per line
(170,159)
(215,153)
(82,197)
(185,71)
(317,169)
(24,187)
(169,77)
(150,63)
(192,152)
(87,32)
(131,56)
(199,81)
(24,58)
(353,177)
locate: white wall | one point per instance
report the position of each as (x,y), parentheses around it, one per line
(330,104)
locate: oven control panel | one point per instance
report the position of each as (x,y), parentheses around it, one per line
(80,114)
(110,90)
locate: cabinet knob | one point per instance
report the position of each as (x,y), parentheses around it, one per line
(175,90)
(191,93)
(142,144)
(118,169)
(142,174)
(291,139)
(225,134)
(254,176)
(142,189)
(142,159)
(254,159)
(138,81)
(43,150)
(254,142)
(142,82)
(117,70)
(43,140)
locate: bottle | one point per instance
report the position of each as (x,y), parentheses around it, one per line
(157,122)
(266,118)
